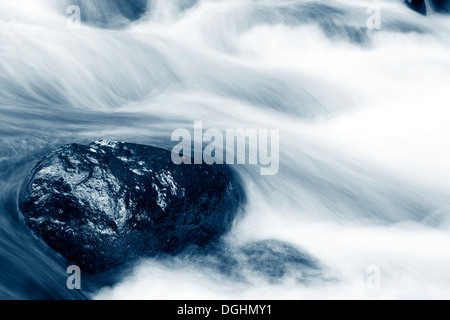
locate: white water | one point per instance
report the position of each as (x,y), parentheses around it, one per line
(365,151)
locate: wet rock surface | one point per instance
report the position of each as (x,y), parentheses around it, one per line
(106,203)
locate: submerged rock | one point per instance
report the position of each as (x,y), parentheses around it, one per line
(441,6)
(269,260)
(275,260)
(417,5)
(108,13)
(103,204)
(118,14)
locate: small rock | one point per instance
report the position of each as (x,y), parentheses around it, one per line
(441,6)
(108,13)
(417,5)
(270,260)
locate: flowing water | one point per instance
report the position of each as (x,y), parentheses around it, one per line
(364,179)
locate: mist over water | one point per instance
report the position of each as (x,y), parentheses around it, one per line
(364,176)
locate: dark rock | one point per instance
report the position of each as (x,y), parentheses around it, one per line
(118,13)
(109,13)
(417,5)
(442,6)
(103,204)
